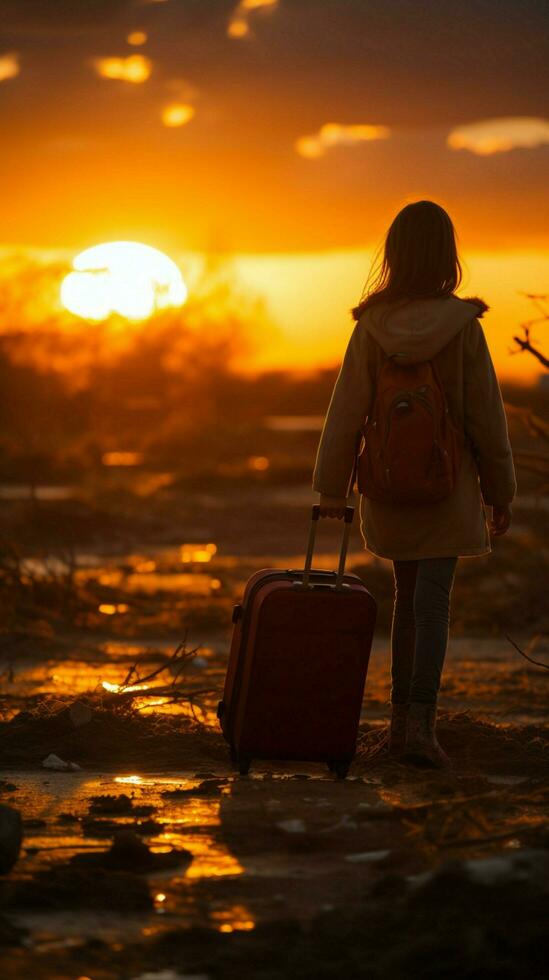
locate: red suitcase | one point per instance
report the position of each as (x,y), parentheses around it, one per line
(297,664)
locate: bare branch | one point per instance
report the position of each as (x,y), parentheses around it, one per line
(538,663)
(525,344)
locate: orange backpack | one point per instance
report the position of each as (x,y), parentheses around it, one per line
(411,449)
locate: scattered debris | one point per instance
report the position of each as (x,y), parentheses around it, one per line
(118,736)
(367,857)
(292,826)
(524,866)
(53,761)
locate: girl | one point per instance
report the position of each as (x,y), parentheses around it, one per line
(409,314)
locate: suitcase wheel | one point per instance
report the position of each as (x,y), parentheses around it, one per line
(240,762)
(339,767)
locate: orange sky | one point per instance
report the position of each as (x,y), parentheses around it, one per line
(308,296)
(303,128)
(286,133)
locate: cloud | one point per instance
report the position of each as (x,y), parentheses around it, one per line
(135,68)
(489,136)
(177,114)
(239,24)
(338,134)
(9,65)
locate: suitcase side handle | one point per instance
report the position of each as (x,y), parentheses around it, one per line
(347,521)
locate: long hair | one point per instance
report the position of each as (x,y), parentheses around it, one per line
(419,258)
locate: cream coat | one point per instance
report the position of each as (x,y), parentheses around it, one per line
(447,331)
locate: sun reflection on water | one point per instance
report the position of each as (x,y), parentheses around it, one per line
(211,858)
(117,688)
(234,918)
(200,553)
(109,609)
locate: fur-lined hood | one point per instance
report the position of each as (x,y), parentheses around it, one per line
(417,330)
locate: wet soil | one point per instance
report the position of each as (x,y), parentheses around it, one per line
(285,872)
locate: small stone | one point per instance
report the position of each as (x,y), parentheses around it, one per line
(367,857)
(53,761)
(292,826)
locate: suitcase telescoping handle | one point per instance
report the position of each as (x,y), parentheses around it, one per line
(315,517)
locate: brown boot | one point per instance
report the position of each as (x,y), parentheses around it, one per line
(422,747)
(397,731)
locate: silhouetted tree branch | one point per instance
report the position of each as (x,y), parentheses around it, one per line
(524,343)
(531,646)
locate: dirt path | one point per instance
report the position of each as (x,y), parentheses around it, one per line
(261,870)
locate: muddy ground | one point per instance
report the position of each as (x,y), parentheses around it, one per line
(395,872)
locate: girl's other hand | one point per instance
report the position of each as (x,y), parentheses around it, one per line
(501,519)
(332,506)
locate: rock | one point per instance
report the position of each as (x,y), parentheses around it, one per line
(208,787)
(526,865)
(59,765)
(120,805)
(367,857)
(129,853)
(500,869)
(11,833)
(103,827)
(292,826)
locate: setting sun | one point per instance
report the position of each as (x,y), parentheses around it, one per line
(127,278)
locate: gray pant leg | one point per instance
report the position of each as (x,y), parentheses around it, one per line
(434,581)
(403,631)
